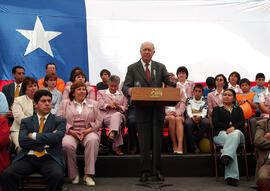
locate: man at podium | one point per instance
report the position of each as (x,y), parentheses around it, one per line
(148,73)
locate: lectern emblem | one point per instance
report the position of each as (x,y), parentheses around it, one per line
(155,93)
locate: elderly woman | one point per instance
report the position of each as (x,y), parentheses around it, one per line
(79,76)
(50,85)
(228,121)
(215,98)
(113,105)
(83,123)
(22,108)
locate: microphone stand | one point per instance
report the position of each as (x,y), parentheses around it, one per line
(155,183)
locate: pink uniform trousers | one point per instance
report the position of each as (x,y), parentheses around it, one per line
(113,121)
(91,145)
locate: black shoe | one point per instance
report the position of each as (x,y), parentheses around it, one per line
(144,177)
(225,159)
(158,177)
(232,181)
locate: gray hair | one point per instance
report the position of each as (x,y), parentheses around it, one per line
(147,42)
(114,78)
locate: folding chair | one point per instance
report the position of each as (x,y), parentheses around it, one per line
(215,147)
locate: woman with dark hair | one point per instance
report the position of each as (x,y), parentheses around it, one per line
(22,108)
(215,98)
(83,123)
(228,123)
(79,75)
(74,70)
(185,85)
(234,79)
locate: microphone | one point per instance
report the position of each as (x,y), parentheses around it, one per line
(154,74)
(137,84)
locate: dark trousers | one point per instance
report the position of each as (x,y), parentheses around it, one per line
(264,177)
(145,132)
(132,127)
(52,171)
(190,127)
(252,123)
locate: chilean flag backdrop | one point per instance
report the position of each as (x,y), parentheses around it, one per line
(207,36)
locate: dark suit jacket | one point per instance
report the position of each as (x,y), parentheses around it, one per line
(54,140)
(136,76)
(9,91)
(262,144)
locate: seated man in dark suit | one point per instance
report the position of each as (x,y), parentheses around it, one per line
(14,89)
(40,138)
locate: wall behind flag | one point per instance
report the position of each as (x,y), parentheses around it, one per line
(208,37)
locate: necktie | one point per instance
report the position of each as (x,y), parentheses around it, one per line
(41,125)
(17,91)
(16,94)
(147,72)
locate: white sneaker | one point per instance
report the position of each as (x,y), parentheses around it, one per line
(89,181)
(76,180)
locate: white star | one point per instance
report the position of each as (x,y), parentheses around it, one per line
(38,38)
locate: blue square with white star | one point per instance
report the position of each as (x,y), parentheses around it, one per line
(34,33)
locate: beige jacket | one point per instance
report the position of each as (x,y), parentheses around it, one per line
(22,108)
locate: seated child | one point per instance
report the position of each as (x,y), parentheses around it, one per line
(210,82)
(259,88)
(247,100)
(196,118)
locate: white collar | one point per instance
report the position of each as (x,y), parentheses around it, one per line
(233,87)
(84,102)
(20,84)
(179,83)
(143,63)
(116,93)
(45,117)
(216,92)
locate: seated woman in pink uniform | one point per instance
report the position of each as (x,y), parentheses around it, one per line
(113,105)
(83,122)
(79,76)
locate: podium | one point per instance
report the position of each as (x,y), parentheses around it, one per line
(152,96)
